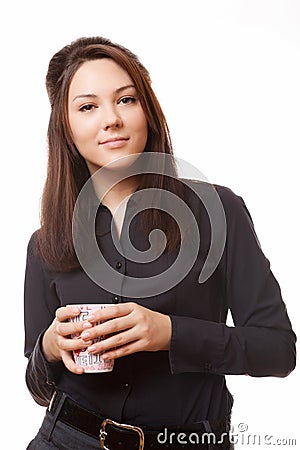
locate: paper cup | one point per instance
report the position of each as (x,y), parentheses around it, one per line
(90,363)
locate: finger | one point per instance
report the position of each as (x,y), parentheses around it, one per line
(112,312)
(69,344)
(109,327)
(68,328)
(128,349)
(110,343)
(70,364)
(66,312)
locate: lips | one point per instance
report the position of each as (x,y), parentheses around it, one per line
(114,139)
(114,143)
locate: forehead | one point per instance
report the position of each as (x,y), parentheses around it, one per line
(98,76)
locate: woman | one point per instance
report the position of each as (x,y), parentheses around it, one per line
(169,342)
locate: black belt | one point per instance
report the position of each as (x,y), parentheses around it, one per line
(128,437)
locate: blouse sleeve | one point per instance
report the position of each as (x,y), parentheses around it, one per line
(40,303)
(262,342)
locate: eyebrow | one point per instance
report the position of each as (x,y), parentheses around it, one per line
(117,91)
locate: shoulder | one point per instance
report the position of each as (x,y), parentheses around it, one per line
(32,244)
(233,203)
(34,256)
(204,190)
(221,202)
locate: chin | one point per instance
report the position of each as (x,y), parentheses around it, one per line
(120,161)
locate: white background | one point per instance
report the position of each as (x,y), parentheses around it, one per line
(227,76)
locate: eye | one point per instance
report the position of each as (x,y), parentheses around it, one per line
(127,100)
(86,108)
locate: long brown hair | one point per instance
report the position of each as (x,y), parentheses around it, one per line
(67,171)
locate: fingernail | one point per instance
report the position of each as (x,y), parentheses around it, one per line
(91,349)
(91,317)
(86,325)
(75,310)
(85,335)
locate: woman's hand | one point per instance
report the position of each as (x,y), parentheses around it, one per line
(57,343)
(129,328)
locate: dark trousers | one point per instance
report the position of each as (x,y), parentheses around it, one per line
(56,435)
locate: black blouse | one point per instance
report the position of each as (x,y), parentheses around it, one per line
(187,383)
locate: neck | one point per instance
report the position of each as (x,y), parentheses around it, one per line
(112,195)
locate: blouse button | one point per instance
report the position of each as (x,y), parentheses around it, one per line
(116,299)
(207,366)
(118,265)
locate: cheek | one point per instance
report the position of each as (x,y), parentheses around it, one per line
(74,129)
(140,125)
(144,131)
(82,130)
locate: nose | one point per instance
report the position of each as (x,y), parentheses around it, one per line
(110,118)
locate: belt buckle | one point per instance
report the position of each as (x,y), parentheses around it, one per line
(103,432)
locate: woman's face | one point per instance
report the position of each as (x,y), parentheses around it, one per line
(105,114)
